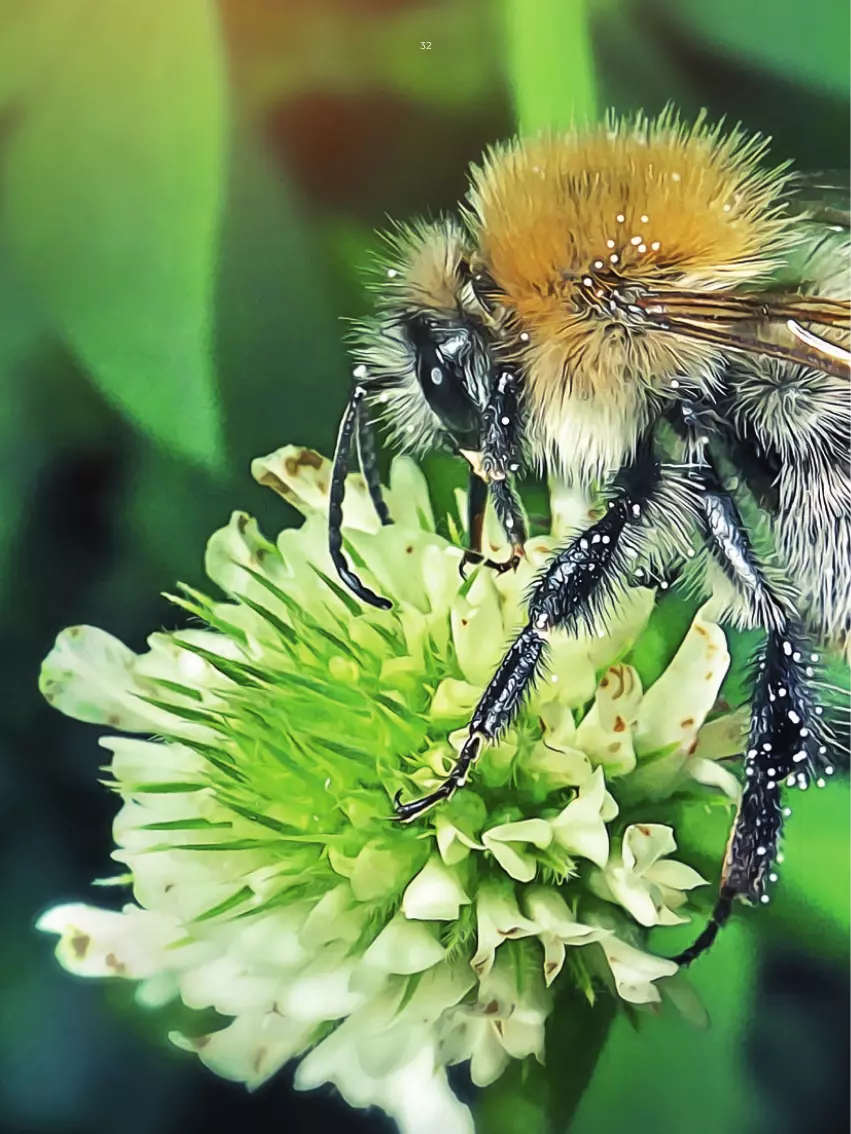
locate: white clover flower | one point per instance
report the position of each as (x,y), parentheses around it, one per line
(267,880)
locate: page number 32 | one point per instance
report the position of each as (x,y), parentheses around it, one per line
(425,45)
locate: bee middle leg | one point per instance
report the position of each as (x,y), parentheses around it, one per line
(510,516)
(574,590)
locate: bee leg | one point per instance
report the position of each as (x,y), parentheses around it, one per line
(570,592)
(369,465)
(785,747)
(339,472)
(786,740)
(477,494)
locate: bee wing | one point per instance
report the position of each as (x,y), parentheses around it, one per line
(824,198)
(781,326)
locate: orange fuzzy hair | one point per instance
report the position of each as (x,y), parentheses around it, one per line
(649,205)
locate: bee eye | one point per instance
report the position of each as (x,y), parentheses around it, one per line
(441,356)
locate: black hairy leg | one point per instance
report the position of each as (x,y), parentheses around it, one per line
(477,499)
(369,465)
(500,460)
(574,589)
(786,736)
(786,748)
(339,472)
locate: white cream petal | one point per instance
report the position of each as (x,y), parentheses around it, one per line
(489,1058)
(417,1095)
(322,990)
(644,843)
(435,894)
(605,732)
(690,685)
(453,843)
(303,478)
(580,828)
(498,919)
(631,892)
(404,947)
(250,1049)
(408,497)
(89,675)
(569,662)
(712,774)
(676,875)
(634,971)
(477,630)
(229,987)
(103,943)
(499,841)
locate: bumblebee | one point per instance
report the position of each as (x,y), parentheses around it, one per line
(641,306)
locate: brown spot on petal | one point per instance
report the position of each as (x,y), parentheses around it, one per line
(619,725)
(305,458)
(687,723)
(241,522)
(74,632)
(463,621)
(112,962)
(491,1008)
(113,720)
(700,630)
(709,676)
(509,932)
(692,748)
(643,828)
(604,684)
(409,551)
(80,943)
(615,747)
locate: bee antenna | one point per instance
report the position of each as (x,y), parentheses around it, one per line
(720,914)
(339,472)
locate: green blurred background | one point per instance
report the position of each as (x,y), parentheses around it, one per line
(188,195)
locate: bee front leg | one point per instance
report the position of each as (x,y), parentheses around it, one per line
(492,469)
(573,591)
(510,515)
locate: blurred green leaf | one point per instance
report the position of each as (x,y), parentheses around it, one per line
(113,193)
(780,35)
(670,1077)
(29,37)
(22,331)
(550,63)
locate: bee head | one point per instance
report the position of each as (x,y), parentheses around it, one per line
(426,359)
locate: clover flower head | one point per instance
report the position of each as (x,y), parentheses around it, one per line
(268,882)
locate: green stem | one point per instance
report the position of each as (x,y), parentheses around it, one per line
(550,63)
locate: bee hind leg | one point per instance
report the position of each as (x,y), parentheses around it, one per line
(786,744)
